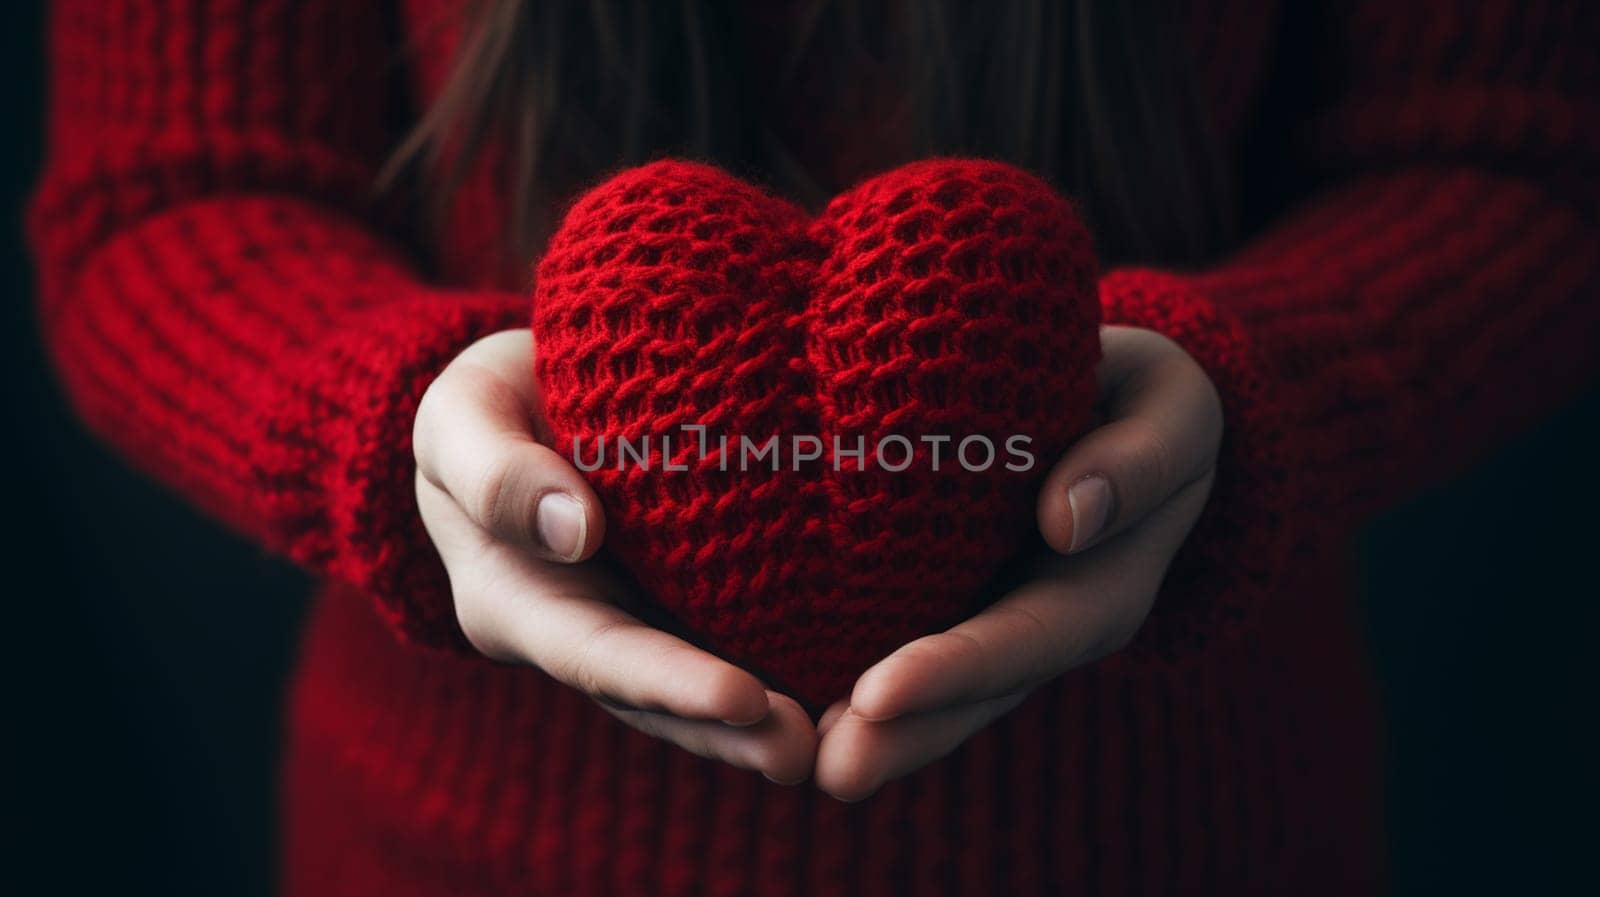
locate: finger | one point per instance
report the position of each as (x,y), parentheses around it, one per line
(1164,424)
(858,756)
(831,716)
(474,439)
(781,747)
(1078,610)
(562,619)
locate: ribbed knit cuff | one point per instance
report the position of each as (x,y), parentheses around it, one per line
(335,463)
(1241,545)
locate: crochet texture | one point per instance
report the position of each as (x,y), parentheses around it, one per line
(947,298)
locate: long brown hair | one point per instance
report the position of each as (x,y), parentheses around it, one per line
(1096,95)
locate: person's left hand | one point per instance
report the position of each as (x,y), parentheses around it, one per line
(1120,503)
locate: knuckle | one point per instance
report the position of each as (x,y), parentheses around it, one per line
(424,427)
(1134,349)
(477,384)
(493,496)
(1155,344)
(1150,456)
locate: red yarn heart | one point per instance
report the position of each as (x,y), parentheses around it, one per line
(946,298)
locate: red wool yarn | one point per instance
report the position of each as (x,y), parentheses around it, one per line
(942,302)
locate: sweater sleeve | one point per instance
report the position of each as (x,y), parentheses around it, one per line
(1437,295)
(215,298)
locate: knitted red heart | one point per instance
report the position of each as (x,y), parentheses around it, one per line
(943,314)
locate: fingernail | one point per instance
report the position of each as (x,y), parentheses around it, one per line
(777,781)
(561,524)
(1090,502)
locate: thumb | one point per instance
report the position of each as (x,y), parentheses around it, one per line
(1163,429)
(473,438)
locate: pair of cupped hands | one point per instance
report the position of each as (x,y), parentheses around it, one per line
(517,526)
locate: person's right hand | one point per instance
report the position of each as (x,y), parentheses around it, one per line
(516,525)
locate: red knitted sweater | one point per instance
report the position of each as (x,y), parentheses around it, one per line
(224,306)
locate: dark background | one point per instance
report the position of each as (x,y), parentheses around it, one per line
(146,652)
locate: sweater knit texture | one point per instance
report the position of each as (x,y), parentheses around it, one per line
(229,307)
